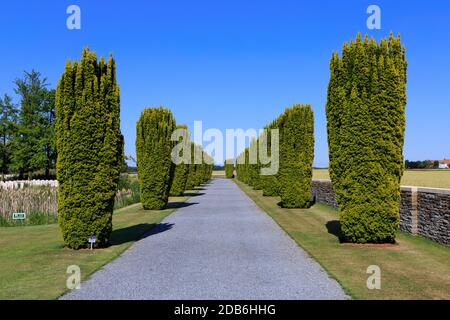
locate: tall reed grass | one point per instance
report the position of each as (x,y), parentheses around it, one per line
(40,203)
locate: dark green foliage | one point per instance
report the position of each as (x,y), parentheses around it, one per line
(153,151)
(181,169)
(90,149)
(366,124)
(296,156)
(229,168)
(8,125)
(34,137)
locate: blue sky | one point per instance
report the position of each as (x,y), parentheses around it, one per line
(234,64)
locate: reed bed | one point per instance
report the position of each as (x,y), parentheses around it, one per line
(40,202)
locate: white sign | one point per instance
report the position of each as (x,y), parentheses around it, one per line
(19,216)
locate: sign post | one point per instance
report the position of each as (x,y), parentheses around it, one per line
(92,240)
(20,216)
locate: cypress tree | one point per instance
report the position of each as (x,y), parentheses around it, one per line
(270,183)
(191,179)
(153,151)
(90,149)
(366,122)
(229,168)
(181,170)
(296,156)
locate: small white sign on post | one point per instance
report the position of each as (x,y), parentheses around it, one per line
(92,240)
(19,216)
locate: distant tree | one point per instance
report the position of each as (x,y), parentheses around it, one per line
(34,140)
(229,168)
(436,165)
(181,169)
(153,150)
(8,120)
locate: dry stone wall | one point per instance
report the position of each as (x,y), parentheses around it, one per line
(423,211)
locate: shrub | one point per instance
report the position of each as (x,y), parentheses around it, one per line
(270,183)
(181,170)
(229,168)
(90,149)
(366,123)
(296,156)
(153,151)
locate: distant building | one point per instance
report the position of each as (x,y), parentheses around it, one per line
(443,164)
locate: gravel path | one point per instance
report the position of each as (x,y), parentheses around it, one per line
(220,245)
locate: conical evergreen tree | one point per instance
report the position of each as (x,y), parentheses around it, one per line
(181,169)
(153,151)
(366,122)
(90,149)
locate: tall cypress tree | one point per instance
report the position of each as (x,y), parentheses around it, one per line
(296,156)
(90,149)
(366,123)
(229,168)
(153,151)
(182,169)
(270,183)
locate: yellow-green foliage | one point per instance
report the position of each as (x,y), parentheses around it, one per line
(90,149)
(366,125)
(229,168)
(200,168)
(296,156)
(153,151)
(296,153)
(181,170)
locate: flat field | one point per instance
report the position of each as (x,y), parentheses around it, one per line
(422,178)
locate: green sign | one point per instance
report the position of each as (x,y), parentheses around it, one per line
(19,216)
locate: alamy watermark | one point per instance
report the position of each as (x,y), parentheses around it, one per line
(234,139)
(74,280)
(73,22)
(374,20)
(374,280)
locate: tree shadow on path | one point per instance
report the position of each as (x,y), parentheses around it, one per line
(179,204)
(137,232)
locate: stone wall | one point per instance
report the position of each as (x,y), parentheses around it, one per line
(423,211)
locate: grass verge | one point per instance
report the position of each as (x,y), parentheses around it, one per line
(414,268)
(33,260)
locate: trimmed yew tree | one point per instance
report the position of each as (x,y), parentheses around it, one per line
(153,152)
(366,124)
(270,183)
(229,168)
(191,179)
(296,156)
(181,170)
(90,149)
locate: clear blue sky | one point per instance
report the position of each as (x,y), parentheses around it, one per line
(234,64)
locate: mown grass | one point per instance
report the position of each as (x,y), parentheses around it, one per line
(33,259)
(414,268)
(423,178)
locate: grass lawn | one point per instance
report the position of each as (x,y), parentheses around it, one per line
(414,268)
(33,260)
(422,178)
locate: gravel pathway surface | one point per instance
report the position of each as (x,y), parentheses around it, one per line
(219,245)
